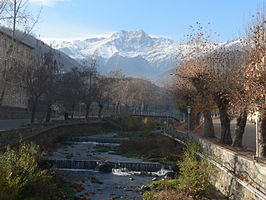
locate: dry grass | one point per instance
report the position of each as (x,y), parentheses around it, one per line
(152,146)
(168,194)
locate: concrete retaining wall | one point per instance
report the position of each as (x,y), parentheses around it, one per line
(241,167)
(93,164)
(92,139)
(47,134)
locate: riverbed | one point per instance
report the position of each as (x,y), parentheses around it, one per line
(120,183)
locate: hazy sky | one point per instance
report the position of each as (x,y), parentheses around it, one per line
(67,19)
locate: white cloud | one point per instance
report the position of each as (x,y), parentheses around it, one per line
(46,2)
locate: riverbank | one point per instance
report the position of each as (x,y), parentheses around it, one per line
(123,180)
(114,165)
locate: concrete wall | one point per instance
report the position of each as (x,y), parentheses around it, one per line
(47,134)
(240,166)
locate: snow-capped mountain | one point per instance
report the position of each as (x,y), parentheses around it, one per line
(134,52)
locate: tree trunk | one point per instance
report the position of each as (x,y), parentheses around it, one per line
(240,129)
(208,124)
(117,108)
(191,119)
(262,133)
(225,126)
(197,118)
(33,111)
(2,94)
(48,113)
(88,105)
(73,110)
(100,111)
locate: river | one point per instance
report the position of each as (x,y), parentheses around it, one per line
(81,163)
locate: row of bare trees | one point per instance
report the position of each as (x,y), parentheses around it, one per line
(213,76)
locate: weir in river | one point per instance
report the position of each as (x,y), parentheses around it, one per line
(78,158)
(94,164)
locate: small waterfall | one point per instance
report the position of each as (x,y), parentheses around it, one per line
(126,172)
(92,139)
(74,164)
(94,164)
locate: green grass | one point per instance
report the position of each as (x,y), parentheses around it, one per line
(163,184)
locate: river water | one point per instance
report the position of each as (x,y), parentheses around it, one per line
(121,183)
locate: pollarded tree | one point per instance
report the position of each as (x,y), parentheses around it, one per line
(186,96)
(217,75)
(256,75)
(193,71)
(224,76)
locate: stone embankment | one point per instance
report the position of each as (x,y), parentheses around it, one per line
(238,177)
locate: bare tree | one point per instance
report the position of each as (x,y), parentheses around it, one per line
(52,80)
(200,98)
(193,71)
(71,87)
(256,74)
(34,77)
(89,77)
(217,75)
(17,16)
(101,92)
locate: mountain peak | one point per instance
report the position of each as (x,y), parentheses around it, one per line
(138,33)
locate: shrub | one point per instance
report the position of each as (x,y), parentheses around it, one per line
(130,123)
(194,172)
(18,168)
(21,177)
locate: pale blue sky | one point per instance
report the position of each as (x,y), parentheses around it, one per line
(67,19)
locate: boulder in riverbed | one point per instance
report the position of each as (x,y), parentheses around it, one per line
(105,167)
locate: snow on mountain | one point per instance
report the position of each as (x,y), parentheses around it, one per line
(135,52)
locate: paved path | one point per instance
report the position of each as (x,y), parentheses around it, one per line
(16,123)
(13,123)
(249,138)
